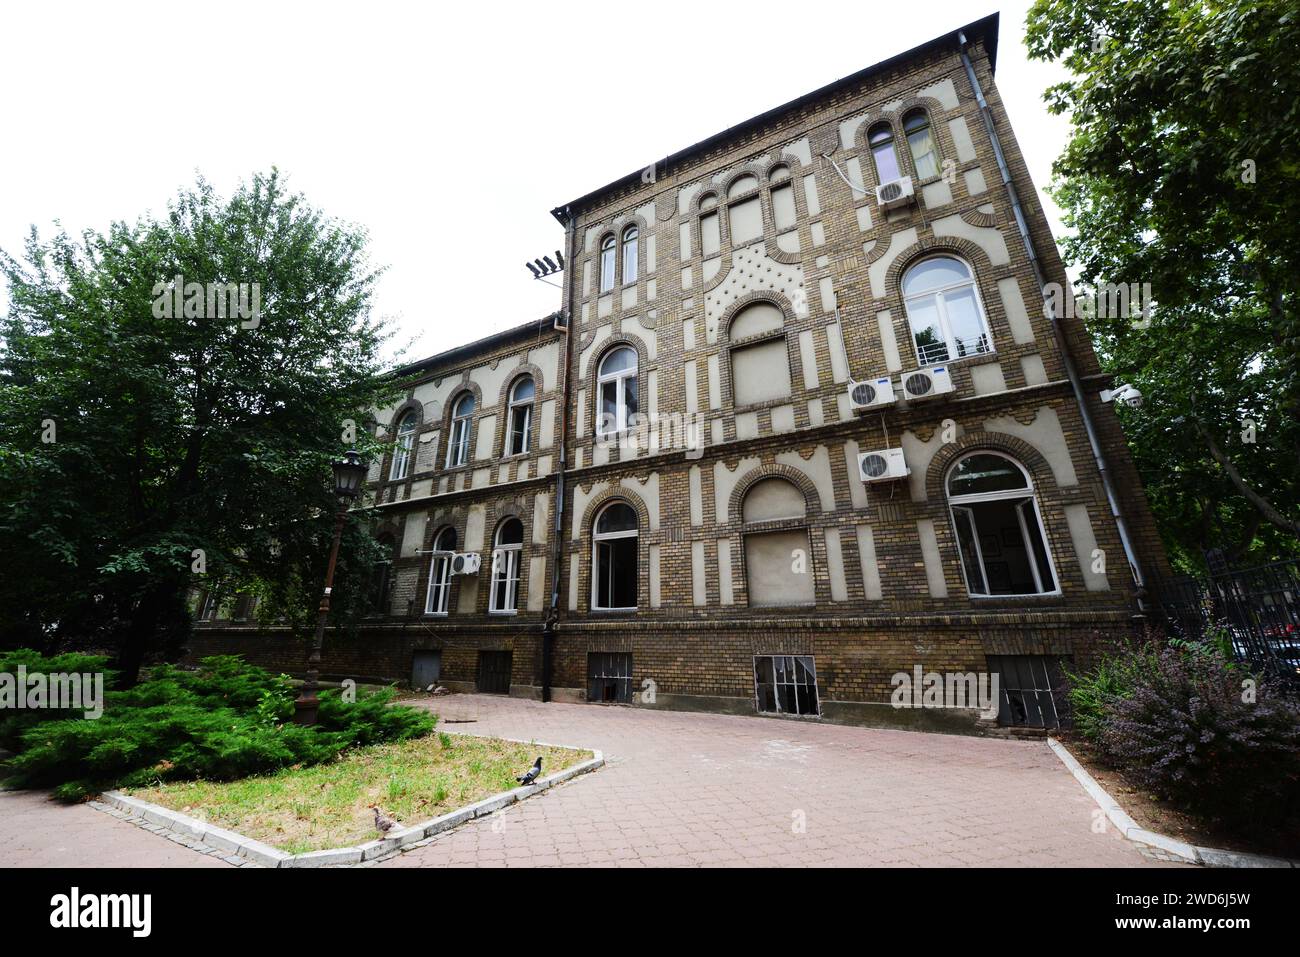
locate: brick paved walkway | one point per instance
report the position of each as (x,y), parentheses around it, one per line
(38,832)
(692,789)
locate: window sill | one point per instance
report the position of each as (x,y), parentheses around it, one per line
(992,353)
(503,614)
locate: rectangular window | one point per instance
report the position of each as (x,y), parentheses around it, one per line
(609,677)
(521,421)
(761,372)
(458,450)
(505,580)
(1031,690)
(435,602)
(616,571)
(786,684)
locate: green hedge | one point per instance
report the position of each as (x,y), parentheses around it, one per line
(226,719)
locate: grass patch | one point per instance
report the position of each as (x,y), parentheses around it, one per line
(322,806)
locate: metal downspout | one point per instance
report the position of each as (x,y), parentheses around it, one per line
(1062,344)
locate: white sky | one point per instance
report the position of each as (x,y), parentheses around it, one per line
(438,128)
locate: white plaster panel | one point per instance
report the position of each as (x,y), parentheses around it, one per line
(725,591)
(857,488)
(724,483)
(867,559)
(1044,434)
(648,492)
(413,533)
(536,583)
(898,242)
(1084,540)
(699,587)
(943,91)
(961,139)
(930,554)
(1013,303)
(835,566)
(818,468)
(988,238)
(696,495)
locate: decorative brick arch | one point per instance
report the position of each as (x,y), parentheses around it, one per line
(796,477)
(942,140)
(410,405)
(524,368)
(982,268)
(1040,471)
(619,493)
(750,298)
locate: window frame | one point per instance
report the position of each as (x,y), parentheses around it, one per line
(607,263)
(597,539)
(629,253)
(874,149)
(517,405)
(941,311)
(912,157)
(459,429)
(1027,494)
(619,378)
(440,565)
(507,570)
(404,447)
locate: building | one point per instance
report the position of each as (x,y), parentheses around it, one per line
(801,426)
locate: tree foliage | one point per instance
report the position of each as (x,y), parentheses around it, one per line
(1182,172)
(145,455)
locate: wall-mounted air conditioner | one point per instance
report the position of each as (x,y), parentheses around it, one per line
(896,192)
(466,563)
(882,466)
(872,393)
(926,383)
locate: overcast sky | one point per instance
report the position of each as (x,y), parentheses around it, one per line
(437,128)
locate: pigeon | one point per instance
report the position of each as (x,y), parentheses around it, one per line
(531,774)
(383,823)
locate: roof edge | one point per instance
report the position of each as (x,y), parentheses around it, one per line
(544,324)
(985,28)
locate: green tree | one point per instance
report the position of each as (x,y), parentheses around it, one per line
(148,450)
(1182,172)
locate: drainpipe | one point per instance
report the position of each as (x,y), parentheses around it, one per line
(1061,342)
(566,314)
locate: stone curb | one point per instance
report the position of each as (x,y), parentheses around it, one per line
(245,847)
(1189,853)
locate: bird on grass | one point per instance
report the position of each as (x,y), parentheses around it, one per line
(529,776)
(383,823)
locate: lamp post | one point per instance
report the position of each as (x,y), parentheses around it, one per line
(348,475)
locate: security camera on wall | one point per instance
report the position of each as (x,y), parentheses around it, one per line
(1127,394)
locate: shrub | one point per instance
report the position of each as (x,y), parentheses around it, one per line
(226,719)
(1179,723)
(1091,693)
(14,723)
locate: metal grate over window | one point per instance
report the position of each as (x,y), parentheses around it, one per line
(1030,687)
(609,677)
(786,684)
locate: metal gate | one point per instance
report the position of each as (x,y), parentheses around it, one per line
(494,672)
(1030,687)
(426,668)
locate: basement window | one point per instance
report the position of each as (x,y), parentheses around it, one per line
(1031,690)
(609,677)
(786,684)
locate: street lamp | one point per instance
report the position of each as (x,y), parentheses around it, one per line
(348,476)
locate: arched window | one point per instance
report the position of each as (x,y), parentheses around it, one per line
(607,264)
(999,530)
(505,567)
(944,309)
(458,444)
(444,546)
(614,558)
(880,138)
(710,226)
(402,451)
(616,385)
(778,563)
(630,243)
(519,436)
(920,141)
(760,365)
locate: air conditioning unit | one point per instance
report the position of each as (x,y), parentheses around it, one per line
(883,466)
(466,563)
(871,394)
(926,383)
(897,192)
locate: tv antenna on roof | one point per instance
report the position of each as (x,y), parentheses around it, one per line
(546,266)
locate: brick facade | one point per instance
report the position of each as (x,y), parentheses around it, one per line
(887,570)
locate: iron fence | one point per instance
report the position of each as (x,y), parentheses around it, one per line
(1257,609)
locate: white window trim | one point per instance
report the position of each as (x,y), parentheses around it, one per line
(458,446)
(620,394)
(596,539)
(507,567)
(974,498)
(634,247)
(439,563)
(942,309)
(402,452)
(527,406)
(607,279)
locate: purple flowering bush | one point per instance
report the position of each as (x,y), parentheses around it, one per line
(1190,725)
